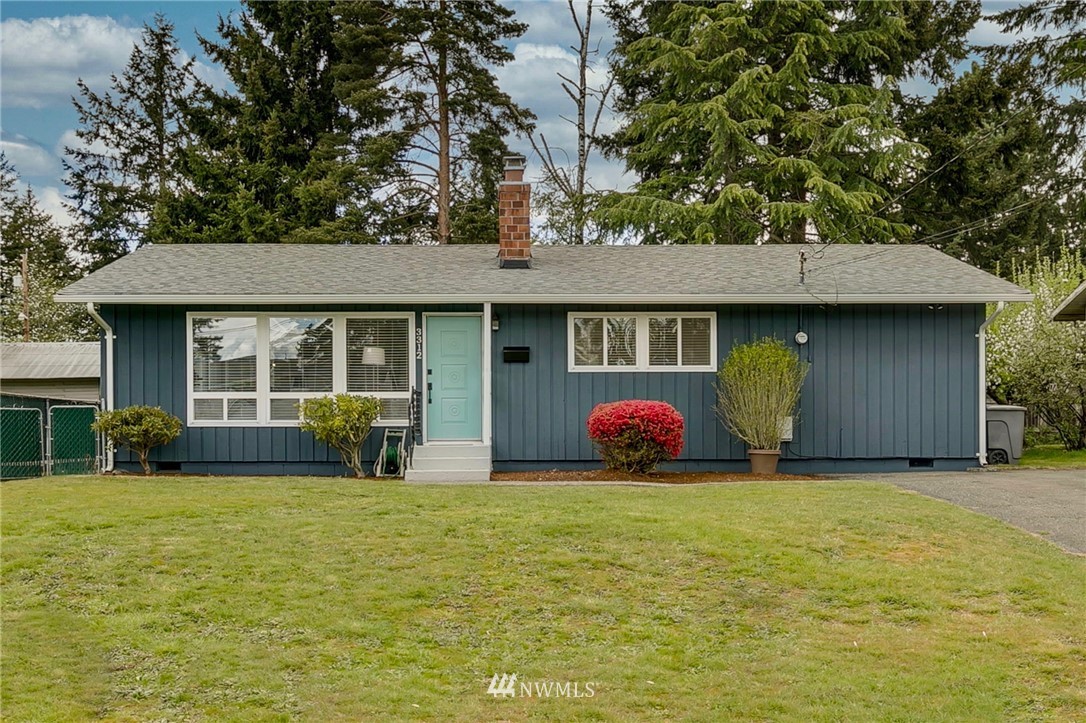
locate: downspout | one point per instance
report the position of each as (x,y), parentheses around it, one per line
(107,373)
(982,346)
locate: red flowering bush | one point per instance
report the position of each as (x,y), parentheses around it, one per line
(636,435)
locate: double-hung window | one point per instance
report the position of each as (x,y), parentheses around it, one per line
(255,369)
(680,341)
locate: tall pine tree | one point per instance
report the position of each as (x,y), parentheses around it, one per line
(763,122)
(124,174)
(995,179)
(26,228)
(256,170)
(453,115)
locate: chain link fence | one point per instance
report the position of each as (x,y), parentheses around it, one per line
(43,437)
(72,445)
(22,443)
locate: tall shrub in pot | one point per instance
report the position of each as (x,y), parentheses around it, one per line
(757,387)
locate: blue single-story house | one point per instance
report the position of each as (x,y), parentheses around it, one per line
(511,346)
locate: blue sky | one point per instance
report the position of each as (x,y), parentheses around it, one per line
(46,46)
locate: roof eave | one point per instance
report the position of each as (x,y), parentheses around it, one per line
(1073,307)
(804,298)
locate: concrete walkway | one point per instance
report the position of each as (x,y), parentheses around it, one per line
(1049,503)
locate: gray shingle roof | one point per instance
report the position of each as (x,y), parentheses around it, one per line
(1073,307)
(50,360)
(723,274)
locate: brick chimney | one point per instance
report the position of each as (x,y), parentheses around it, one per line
(514,216)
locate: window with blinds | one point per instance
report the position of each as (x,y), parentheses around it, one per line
(379,362)
(223,368)
(300,351)
(642,342)
(258,369)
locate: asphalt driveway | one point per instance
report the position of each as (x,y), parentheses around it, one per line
(1049,503)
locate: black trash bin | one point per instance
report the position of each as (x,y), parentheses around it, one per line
(1006,432)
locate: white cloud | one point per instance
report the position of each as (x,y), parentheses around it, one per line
(52,201)
(69,139)
(42,58)
(28,156)
(532,81)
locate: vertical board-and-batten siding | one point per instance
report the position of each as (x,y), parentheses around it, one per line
(886,382)
(151,368)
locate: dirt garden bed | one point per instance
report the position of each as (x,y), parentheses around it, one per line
(672,478)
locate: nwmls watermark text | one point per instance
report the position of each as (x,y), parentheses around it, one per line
(507,686)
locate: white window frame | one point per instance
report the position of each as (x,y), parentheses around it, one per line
(263,395)
(642,320)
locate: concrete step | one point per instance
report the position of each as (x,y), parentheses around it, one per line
(476,464)
(476,451)
(448,476)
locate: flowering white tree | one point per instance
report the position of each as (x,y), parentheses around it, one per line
(1040,363)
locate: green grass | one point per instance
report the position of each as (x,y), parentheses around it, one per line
(319,599)
(1054,456)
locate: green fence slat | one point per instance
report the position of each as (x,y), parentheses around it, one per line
(21,450)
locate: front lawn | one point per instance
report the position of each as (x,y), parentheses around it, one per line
(321,599)
(1053,456)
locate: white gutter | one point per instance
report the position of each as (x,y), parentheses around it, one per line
(982,348)
(107,373)
(724,298)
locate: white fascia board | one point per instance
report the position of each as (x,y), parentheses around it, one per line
(1072,307)
(806,299)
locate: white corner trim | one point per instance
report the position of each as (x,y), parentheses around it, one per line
(982,362)
(488,374)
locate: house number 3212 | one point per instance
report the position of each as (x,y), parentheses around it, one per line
(418,343)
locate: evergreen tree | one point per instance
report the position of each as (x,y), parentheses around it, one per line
(25,227)
(379,203)
(452,115)
(125,175)
(255,167)
(769,122)
(995,185)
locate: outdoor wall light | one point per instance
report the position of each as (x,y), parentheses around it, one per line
(495,323)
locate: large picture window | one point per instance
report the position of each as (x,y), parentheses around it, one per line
(247,369)
(642,341)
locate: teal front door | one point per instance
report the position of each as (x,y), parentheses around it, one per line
(454,373)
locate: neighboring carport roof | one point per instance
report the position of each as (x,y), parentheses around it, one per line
(1073,307)
(293,273)
(50,360)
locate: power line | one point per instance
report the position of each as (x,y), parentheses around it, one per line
(1000,215)
(976,143)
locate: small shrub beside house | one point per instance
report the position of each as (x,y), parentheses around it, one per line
(636,435)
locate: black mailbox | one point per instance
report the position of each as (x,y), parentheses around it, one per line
(515,354)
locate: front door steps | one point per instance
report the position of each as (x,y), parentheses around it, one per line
(450,462)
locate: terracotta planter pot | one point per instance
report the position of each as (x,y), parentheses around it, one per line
(764,461)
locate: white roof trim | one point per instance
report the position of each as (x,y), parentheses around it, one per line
(799,298)
(1077,298)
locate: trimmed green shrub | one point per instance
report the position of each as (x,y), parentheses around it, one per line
(636,435)
(756,388)
(139,429)
(342,421)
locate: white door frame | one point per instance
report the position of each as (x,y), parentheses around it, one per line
(485,372)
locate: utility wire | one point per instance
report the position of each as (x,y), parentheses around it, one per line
(972,146)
